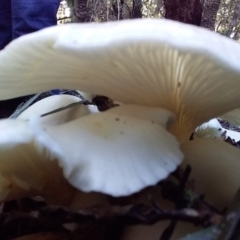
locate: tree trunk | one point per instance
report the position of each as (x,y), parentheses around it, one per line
(118,8)
(234,20)
(210,10)
(186,11)
(81,11)
(137,9)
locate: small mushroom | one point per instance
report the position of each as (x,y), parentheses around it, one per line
(117,152)
(213,129)
(120,152)
(210,129)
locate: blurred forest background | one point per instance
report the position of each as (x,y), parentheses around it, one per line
(221,16)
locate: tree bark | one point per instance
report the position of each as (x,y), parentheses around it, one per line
(234,20)
(118,8)
(137,9)
(81,11)
(186,11)
(210,10)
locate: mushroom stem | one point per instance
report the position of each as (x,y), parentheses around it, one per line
(181,132)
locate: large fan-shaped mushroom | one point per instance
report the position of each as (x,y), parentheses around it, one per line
(153,63)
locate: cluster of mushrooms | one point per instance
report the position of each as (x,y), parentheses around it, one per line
(169,78)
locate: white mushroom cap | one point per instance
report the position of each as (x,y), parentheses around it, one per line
(117,152)
(148,62)
(213,129)
(210,129)
(215,169)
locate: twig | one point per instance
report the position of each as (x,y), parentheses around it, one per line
(132,214)
(64,18)
(62,108)
(167,233)
(22,107)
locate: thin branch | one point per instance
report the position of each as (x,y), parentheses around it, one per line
(22,107)
(130,214)
(64,18)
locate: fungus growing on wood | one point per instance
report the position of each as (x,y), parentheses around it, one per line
(150,63)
